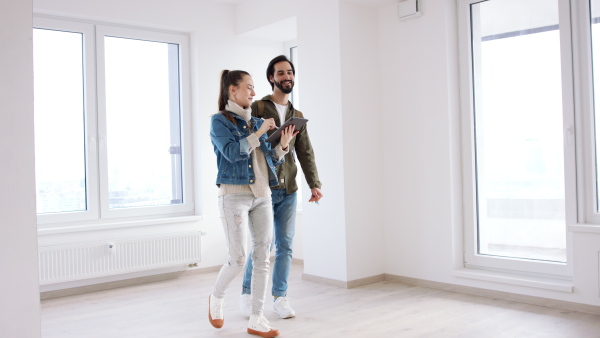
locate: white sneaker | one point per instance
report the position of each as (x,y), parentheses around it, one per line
(282,307)
(246,304)
(259,325)
(215,311)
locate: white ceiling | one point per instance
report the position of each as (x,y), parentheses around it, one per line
(281,31)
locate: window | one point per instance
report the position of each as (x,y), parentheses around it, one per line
(519,134)
(295,98)
(110,106)
(296,91)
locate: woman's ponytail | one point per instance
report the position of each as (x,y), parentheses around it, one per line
(228,78)
(223,90)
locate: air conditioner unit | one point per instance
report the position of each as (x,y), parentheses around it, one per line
(408,9)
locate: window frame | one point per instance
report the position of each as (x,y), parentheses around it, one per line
(90,116)
(472,259)
(95,124)
(584,98)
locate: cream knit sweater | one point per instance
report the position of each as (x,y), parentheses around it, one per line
(260,186)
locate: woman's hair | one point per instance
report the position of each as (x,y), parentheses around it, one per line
(229,78)
(271,68)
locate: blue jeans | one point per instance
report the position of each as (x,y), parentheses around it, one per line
(284,210)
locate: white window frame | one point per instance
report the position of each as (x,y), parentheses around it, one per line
(588,214)
(471,257)
(95,124)
(90,116)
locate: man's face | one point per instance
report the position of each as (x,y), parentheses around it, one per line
(283,78)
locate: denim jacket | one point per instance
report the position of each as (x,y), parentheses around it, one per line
(233,150)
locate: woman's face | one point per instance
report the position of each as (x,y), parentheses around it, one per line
(243,93)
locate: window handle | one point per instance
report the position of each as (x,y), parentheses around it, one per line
(93,145)
(569,136)
(102,143)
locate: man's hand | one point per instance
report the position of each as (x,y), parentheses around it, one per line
(315,195)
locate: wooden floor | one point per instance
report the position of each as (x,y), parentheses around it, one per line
(178,308)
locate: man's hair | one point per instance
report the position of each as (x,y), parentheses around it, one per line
(271,68)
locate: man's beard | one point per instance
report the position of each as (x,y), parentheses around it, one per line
(283,89)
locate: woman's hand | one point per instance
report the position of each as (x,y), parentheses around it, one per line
(287,135)
(266,126)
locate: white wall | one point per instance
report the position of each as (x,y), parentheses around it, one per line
(324,236)
(19,292)
(362,122)
(422,201)
(417,195)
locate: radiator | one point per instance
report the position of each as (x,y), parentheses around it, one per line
(70,262)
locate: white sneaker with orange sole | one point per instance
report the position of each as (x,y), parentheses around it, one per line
(259,325)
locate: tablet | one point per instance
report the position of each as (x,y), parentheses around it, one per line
(296,121)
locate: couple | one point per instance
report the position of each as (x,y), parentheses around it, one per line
(257,190)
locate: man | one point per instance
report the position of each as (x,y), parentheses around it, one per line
(280,73)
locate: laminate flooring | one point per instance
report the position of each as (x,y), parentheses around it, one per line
(177,308)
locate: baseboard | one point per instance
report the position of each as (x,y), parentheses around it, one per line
(557,304)
(342,284)
(125,282)
(325,281)
(571,306)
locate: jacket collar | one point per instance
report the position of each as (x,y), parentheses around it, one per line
(269,98)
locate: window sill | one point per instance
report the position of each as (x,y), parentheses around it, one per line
(587,228)
(61,229)
(515,279)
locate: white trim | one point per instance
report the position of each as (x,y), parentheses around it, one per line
(64,228)
(90,134)
(467,126)
(584,102)
(467,75)
(585,228)
(569,126)
(96,170)
(62,16)
(515,279)
(182,41)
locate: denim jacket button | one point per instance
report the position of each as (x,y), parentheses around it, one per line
(249,165)
(251,181)
(244,127)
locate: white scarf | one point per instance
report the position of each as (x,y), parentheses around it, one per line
(241,112)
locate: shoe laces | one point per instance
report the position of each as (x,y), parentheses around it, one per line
(284,301)
(262,320)
(216,305)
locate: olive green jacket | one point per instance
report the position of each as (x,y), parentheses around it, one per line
(286,172)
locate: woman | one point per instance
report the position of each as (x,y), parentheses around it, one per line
(246,170)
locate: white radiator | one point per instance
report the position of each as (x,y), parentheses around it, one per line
(63,263)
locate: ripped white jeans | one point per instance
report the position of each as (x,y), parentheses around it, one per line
(241,211)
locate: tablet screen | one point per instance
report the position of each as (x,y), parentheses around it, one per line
(296,121)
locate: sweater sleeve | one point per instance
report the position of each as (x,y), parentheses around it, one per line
(279,152)
(253,142)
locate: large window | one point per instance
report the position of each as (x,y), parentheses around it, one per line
(296,91)
(519,134)
(110,104)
